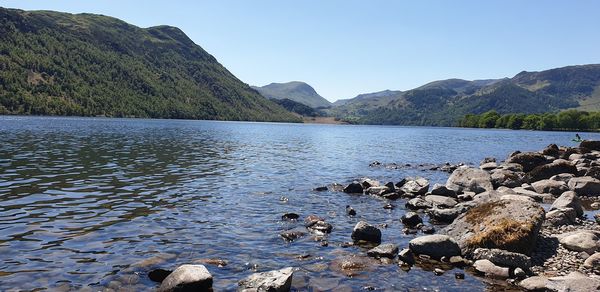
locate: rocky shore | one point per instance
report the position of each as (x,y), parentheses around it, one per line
(524,221)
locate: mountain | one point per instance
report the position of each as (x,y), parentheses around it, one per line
(444,102)
(296,91)
(56,63)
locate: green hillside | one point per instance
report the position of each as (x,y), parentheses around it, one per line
(55,63)
(445,102)
(296,91)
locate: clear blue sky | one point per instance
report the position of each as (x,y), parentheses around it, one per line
(343,48)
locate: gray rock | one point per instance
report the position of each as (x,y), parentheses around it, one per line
(517,198)
(529,160)
(536,283)
(365,231)
(562,216)
(503,258)
(488,197)
(590,144)
(548,170)
(378,191)
(490,270)
(353,188)
(505,224)
(469,179)
(187,277)
(532,194)
(568,200)
(519,273)
(411,219)
(418,204)
(406,256)
(487,160)
(507,178)
(573,282)
(272,281)
(580,241)
(368,183)
(435,246)
(488,166)
(442,190)
(585,186)
(441,201)
(593,261)
(447,215)
(417,186)
(511,166)
(293,234)
(388,250)
(564,177)
(549,186)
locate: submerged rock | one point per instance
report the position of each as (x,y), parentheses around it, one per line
(411,219)
(272,281)
(388,250)
(505,224)
(365,231)
(469,179)
(436,246)
(187,278)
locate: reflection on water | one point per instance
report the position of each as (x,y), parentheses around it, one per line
(99,202)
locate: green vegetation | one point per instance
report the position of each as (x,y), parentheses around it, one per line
(91,65)
(299,108)
(565,120)
(446,102)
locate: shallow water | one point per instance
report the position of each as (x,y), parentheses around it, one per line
(93,203)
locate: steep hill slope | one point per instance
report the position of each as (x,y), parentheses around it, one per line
(55,63)
(296,91)
(444,102)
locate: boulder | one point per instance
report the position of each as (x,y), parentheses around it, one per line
(441,201)
(447,215)
(417,186)
(411,219)
(490,270)
(272,281)
(585,186)
(435,246)
(365,231)
(505,224)
(488,166)
(406,256)
(534,195)
(488,196)
(593,261)
(368,183)
(517,198)
(535,283)
(353,188)
(562,216)
(291,235)
(511,166)
(549,186)
(593,172)
(529,160)
(564,177)
(503,258)
(568,200)
(187,278)
(418,204)
(548,170)
(590,144)
(551,150)
(388,250)
(580,241)
(573,282)
(442,190)
(487,160)
(469,179)
(378,191)
(507,178)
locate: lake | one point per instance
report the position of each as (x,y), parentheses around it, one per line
(93,203)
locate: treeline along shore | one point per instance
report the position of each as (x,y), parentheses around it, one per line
(570,120)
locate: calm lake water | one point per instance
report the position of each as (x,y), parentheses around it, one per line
(94,203)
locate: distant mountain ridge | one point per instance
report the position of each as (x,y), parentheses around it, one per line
(54,63)
(295,90)
(444,102)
